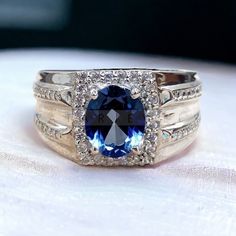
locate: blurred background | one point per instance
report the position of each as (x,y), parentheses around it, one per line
(199,29)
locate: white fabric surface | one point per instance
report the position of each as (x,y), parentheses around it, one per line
(42,193)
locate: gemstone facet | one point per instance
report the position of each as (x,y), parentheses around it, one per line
(115,122)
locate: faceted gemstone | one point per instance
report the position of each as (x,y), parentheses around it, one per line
(115,122)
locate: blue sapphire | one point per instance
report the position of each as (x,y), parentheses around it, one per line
(115,122)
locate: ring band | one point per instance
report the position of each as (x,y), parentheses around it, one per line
(113,117)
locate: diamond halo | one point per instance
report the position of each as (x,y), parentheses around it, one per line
(134,80)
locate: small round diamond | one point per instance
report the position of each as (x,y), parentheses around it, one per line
(94,76)
(153,100)
(151,136)
(121,74)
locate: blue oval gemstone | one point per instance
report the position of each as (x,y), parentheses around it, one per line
(115,122)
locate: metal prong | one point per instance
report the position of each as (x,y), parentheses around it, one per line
(135,93)
(94,93)
(93,151)
(136,151)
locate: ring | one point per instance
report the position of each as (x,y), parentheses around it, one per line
(117,117)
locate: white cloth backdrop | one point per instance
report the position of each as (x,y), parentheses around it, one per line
(42,193)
